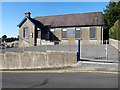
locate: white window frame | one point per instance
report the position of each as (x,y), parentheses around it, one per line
(52,30)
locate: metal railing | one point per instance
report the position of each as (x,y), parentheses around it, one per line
(96,50)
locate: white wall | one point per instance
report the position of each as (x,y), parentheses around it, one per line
(115,43)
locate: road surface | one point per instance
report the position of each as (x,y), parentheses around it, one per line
(59,80)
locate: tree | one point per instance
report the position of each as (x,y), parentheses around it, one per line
(11,39)
(112,14)
(4,37)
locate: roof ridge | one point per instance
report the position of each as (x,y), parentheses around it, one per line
(67,14)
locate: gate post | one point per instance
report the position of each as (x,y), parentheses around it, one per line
(106,50)
(78,53)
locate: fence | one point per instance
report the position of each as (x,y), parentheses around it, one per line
(99,51)
(93,49)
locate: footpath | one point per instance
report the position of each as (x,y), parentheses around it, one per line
(81,66)
(96,66)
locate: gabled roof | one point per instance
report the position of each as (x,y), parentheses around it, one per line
(33,21)
(85,19)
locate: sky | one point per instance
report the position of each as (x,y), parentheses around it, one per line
(13,12)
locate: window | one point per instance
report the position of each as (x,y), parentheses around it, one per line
(78,33)
(92,33)
(39,34)
(64,33)
(25,32)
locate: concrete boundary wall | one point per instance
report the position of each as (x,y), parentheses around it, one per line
(115,43)
(32,60)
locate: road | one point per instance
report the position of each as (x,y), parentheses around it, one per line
(59,80)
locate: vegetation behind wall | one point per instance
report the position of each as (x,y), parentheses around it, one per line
(114,31)
(111,15)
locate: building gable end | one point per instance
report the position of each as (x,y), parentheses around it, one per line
(23,21)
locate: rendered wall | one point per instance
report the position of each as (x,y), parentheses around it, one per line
(31,60)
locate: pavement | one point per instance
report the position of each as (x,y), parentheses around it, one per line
(81,66)
(96,66)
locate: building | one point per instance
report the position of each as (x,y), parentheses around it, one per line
(57,29)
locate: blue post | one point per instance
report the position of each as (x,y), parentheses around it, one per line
(78,54)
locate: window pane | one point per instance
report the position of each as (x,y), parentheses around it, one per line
(25,33)
(64,34)
(78,33)
(92,33)
(39,34)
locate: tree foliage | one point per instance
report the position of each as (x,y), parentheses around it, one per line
(114,31)
(4,38)
(112,14)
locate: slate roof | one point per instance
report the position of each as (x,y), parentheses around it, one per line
(85,19)
(37,23)
(33,21)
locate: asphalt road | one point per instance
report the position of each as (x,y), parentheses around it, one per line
(59,80)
